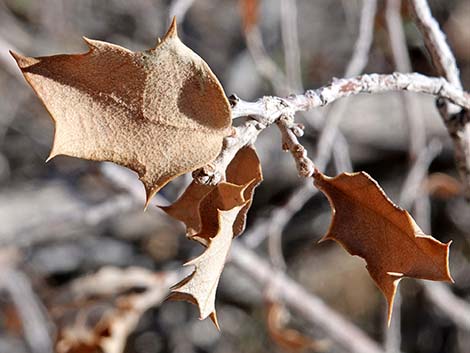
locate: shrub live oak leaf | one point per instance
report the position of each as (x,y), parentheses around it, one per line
(197,207)
(213,216)
(160,112)
(200,287)
(366,223)
(223,197)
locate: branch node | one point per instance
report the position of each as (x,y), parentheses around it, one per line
(233,100)
(288,129)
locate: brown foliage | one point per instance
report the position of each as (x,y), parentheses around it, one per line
(367,224)
(159,112)
(200,287)
(197,207)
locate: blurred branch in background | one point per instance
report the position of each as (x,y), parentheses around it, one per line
(37,327)
(454,308)
(456,119)
(308,306)
(355,67)
(179,8)
(412,112)
(290,42)
(111,332)
(6,59)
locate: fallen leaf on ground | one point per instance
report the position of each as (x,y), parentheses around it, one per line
(367,224)
(160,112)
(200,287)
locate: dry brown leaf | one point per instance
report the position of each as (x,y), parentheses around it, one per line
(160,112)
(366,223)
(243,175)
(224,197)
(244,169)
(199,205)
(200,287)
(186,208)
(289,339)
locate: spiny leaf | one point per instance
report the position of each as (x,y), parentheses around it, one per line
(366,223)
(244,169)
(243,175)
(224,197)
(160,112)
(200,287)
(186,208)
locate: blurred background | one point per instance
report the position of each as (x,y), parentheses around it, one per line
(70,218)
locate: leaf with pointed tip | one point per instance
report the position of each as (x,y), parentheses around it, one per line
(186,208)
(367,224)
(224,197)
(160,112)
(200,287)
(244,169)
(243,174)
